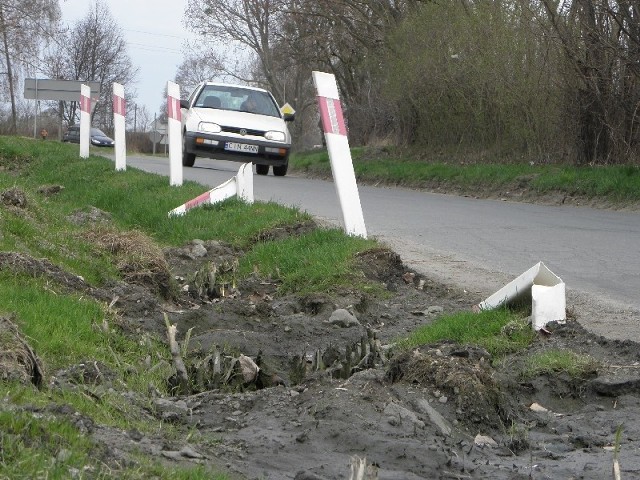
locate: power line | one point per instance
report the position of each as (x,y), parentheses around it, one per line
(153,48)
(153,33)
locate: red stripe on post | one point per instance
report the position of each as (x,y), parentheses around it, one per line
(331,115)
(85,104)
(197,201)
(119,105)
(173,108)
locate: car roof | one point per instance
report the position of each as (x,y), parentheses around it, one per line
(235,85)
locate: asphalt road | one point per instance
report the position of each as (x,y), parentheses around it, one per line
(478,244)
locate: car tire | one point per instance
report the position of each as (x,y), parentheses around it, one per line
(188,159)
(263,169)
(280,170)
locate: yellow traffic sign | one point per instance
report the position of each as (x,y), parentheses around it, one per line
(287,109)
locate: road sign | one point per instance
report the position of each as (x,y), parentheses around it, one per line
(287,109)
(155,136)
(158,126)
(69,90)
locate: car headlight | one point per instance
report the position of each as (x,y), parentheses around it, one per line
(209,127)
(275,136)
(93,140)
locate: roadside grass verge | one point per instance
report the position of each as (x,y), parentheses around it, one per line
(48,447)
(319,261)
(554,361)
(618,184)
(68,329)
(499,331)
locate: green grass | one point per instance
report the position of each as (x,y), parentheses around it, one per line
(68,328)
(322,260)
(618,184)
(43,446)
(555,361)
(487,329)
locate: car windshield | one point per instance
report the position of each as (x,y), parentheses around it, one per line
(237,99)
(97,132)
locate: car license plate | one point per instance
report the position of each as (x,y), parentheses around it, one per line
(241,147)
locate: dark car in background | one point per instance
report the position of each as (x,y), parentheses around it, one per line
(97,137)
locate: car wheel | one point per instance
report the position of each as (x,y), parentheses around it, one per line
(264,169)
(280,170)
(188,159)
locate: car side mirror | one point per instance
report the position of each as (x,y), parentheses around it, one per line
(289,117)
(184,104)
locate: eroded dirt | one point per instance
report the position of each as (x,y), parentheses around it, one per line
(440,411)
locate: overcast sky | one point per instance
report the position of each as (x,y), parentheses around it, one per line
(155,35)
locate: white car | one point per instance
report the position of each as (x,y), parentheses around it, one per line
(235,122)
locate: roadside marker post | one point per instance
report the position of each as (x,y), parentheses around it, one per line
(119,121)
(174,115)
(546,290)
(335,133)
(241,186)
(85,120)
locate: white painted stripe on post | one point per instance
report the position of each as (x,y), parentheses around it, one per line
(119,123)
(335,133)
(85,120)
(241,185)
(175,134)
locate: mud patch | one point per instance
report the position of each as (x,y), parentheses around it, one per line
(440,411)
(459,374)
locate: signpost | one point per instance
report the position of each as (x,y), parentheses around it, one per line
(67,90)
(158,133)
(61,90)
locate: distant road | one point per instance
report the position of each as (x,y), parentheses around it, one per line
(477,244)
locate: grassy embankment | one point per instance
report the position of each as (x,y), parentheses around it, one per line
(68,328)
(614,185)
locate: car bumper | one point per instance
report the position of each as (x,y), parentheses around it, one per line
(217,147)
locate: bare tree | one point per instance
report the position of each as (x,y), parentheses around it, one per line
(251,24)
(96,51)
(600,40)
(200,64)
(24,24)
(290,38)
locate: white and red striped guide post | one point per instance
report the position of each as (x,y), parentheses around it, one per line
(85,120)
(335,133)
(175,133)
(119,123)
(241,185)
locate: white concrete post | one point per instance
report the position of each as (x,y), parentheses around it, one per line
(244,180)
(85,120)
(175,133)
(240,186)
(119,123)
(335,133)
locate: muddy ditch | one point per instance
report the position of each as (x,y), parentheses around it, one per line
(297,387)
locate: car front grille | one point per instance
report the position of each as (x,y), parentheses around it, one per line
(236,130)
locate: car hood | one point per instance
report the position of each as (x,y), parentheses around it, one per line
(245,120)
